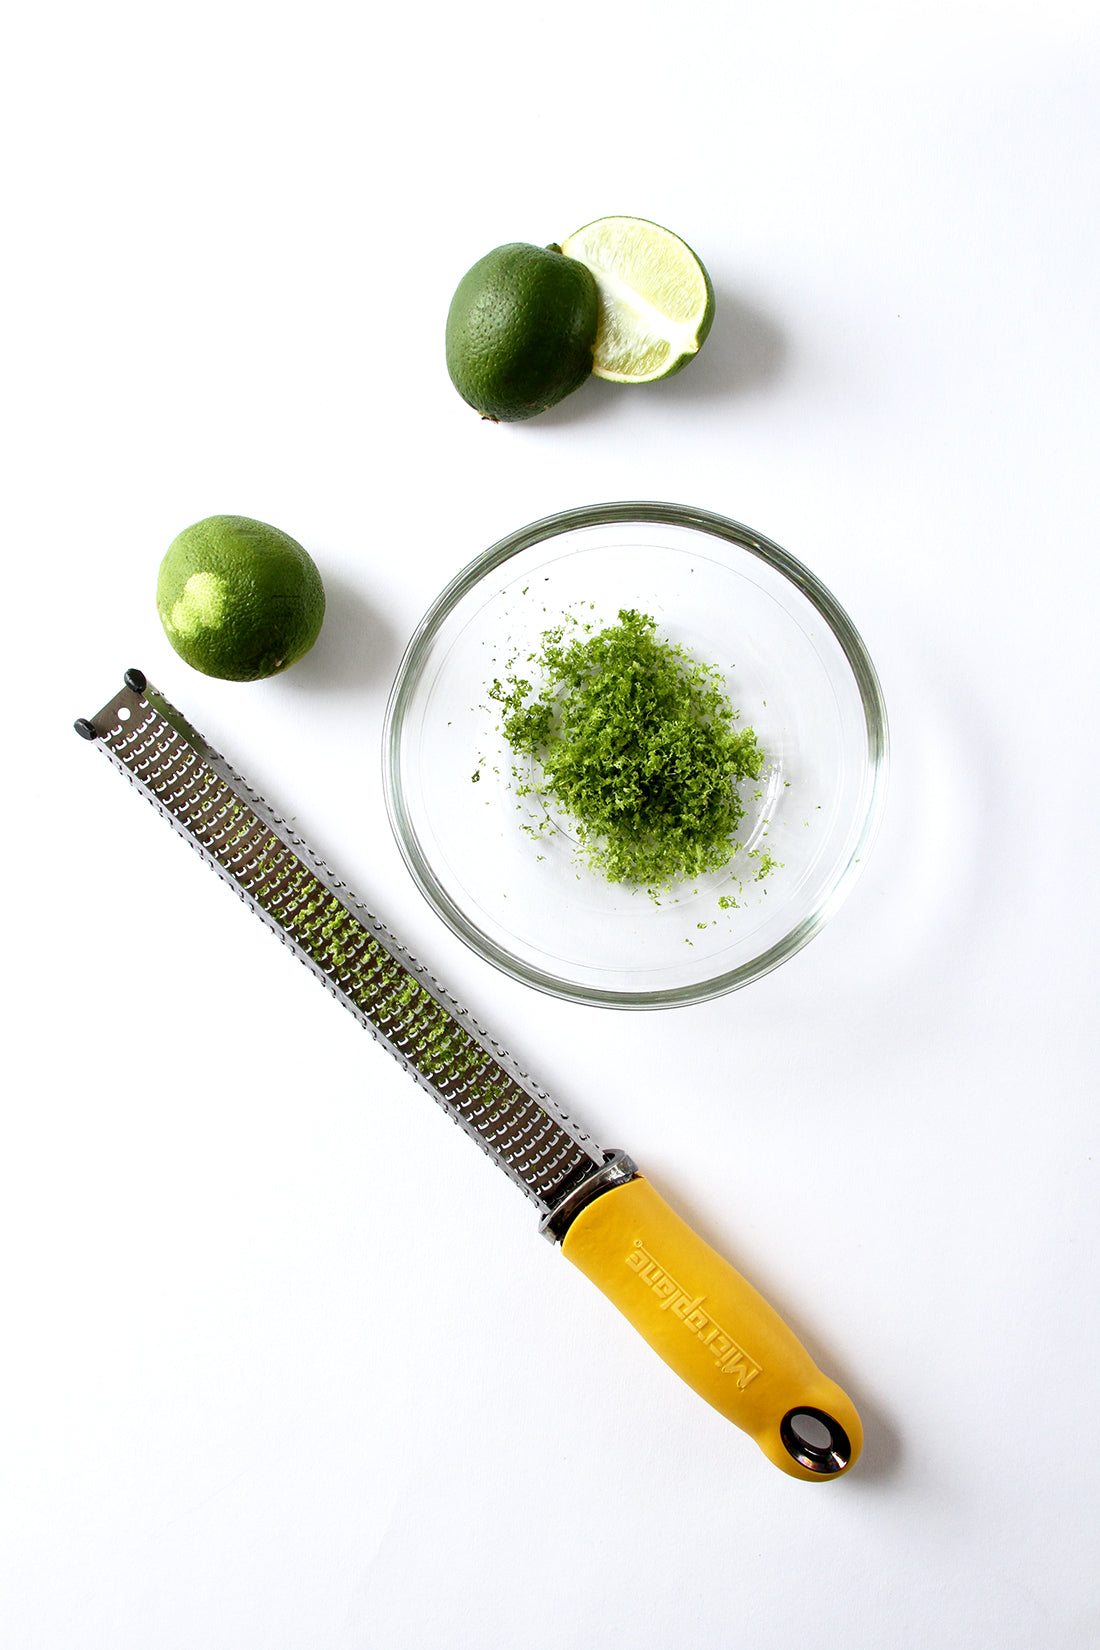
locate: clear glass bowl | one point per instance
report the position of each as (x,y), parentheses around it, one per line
(508,877)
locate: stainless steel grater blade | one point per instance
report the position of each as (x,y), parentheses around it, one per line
(698,1314)
(476,1082)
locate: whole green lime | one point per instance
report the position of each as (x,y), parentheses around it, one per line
(521,330)
(239,599)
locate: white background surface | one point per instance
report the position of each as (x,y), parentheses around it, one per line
(286,1364)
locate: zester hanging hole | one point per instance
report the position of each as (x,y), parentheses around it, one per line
(124,713)
(815,1440)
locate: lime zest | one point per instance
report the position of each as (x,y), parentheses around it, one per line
(637,743)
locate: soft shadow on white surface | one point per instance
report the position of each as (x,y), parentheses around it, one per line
(745,351)
(952,861)
(356,649)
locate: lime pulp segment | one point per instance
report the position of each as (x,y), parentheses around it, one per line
(656,301)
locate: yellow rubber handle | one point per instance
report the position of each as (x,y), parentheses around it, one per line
(714,1330)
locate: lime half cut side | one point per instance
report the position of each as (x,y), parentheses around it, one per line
(656,300)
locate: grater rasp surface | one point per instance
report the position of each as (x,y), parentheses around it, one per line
(476,1082)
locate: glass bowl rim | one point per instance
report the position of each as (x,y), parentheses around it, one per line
(598,515)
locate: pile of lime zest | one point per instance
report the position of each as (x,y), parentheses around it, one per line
(638,744)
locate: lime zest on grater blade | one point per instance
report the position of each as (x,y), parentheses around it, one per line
(291,889)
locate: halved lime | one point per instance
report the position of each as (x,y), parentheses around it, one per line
(656,300)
